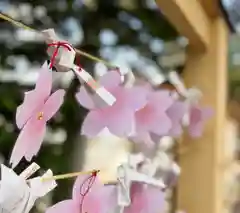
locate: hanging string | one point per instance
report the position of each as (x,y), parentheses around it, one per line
(89,181)
(80,52)
(68,175)
(14,22)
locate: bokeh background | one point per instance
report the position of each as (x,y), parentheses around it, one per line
(131,34)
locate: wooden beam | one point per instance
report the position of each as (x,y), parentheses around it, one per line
(190,20)
(201,182)
(211,7)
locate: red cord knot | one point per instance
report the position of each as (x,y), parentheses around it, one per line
(95,172)
(78,63)
(55,53)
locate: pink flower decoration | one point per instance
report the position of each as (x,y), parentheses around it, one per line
(119,117)
(98,200)
(153,119)
(32,115)
(176,113)
(198,116)
(145,199)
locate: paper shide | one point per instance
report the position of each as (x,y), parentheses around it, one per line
(18,193)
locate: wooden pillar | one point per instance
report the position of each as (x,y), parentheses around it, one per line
(200,188)
(201,184)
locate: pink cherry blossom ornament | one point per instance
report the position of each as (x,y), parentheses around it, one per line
(153,119)
(118,118)
(176,113)
(98,199)
(198,116)
(145,199)
(38,107)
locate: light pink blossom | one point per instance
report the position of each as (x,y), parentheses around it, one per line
(176,113)
(198,116)
(32,115)
(98,200)
(145,199)
(152,119)
(119,117)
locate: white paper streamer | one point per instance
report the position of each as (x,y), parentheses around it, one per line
(18,195)
(127,173)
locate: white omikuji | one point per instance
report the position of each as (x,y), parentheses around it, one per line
(18,195)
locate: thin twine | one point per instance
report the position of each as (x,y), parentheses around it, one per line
(80,52)
(67,175)
(91,180)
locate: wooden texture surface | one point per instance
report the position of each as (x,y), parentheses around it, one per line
(201,183)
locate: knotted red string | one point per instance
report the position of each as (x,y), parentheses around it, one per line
(90,181)
(58,44)
(78,63)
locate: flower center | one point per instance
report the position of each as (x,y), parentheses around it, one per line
(40,116)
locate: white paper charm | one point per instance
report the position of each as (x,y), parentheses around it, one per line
(192,95)
(178,84)
(168,169)
(29,171)
(103,97)
(128,174)
(64,60)
(18,195)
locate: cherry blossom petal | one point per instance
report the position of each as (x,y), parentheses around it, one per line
(198,116)
(162,125)
(76,195)
(145,118)
(195,115)
(176,113)
(85,99)
(196,130)
(35,99)
(44,83)
(120,123)
(64,207)
(26,109)
(161,100)
(99,198)
(155,200)
(53,104)
(93,124)
(82,182)
(137,97)
(110,79)
(138,199)
(29,141)
(145,199)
